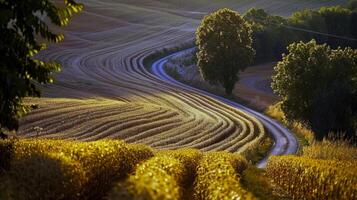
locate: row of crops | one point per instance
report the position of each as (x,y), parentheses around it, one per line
(160,127)
(113,169)
(53,169)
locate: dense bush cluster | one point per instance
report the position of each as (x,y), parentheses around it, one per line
(50,169)
(160,177)
(218,176)
(54,169)
(332,25)
(306,178)
(317,86)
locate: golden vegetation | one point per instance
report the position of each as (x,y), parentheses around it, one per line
(306,178)
(331,150)
(256,181)
(57,169)
(157,178)
(101,162)
(158,126)
(325,170)
(303,134)
(218,176)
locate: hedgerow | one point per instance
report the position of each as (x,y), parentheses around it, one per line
(102,162)
(44,176)
(218,177)
(160,177)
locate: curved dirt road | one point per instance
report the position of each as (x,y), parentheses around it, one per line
(104,91)
(285,142)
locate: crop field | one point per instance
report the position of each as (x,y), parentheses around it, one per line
(104,90)
(53,169)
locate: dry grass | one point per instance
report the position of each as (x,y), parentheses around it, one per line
(340,150)
(306,178)
(304,135)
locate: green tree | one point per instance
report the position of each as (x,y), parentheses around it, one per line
(318,86)
(224,42)
(22,25)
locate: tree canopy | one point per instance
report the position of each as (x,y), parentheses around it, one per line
(224,42)
(333,25)
(318,86)
(22,24)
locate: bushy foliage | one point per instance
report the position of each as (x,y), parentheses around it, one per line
(256,181)
(270,37)
(218,176)
(21,22)
(188,157)
(105,162)
(271,34)
(160,177)
(224,43)
(102,162)
(44,176)
(305,178)
(318,87)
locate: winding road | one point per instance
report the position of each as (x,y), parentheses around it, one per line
(284,141)
(105,91)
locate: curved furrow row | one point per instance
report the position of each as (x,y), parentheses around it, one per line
(103,58)
(77,115)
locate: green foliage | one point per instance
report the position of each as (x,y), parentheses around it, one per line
(352,5)
(21,21)
(271,34)
(318,87)
(305,178)
(224,42)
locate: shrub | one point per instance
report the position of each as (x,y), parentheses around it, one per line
(107,161)
(44,176)
(218,177)
(157,178)
(189,158)
(103,161)
(329,103)
(306,178)
(256,181)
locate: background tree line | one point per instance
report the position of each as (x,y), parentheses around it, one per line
(335,26)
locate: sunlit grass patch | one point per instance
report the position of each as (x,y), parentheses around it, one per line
(306,178)
(331,150)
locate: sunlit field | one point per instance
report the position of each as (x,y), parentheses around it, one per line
(156,100)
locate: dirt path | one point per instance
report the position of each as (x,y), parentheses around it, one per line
(104,91)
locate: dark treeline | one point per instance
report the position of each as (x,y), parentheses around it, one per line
(336,26)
